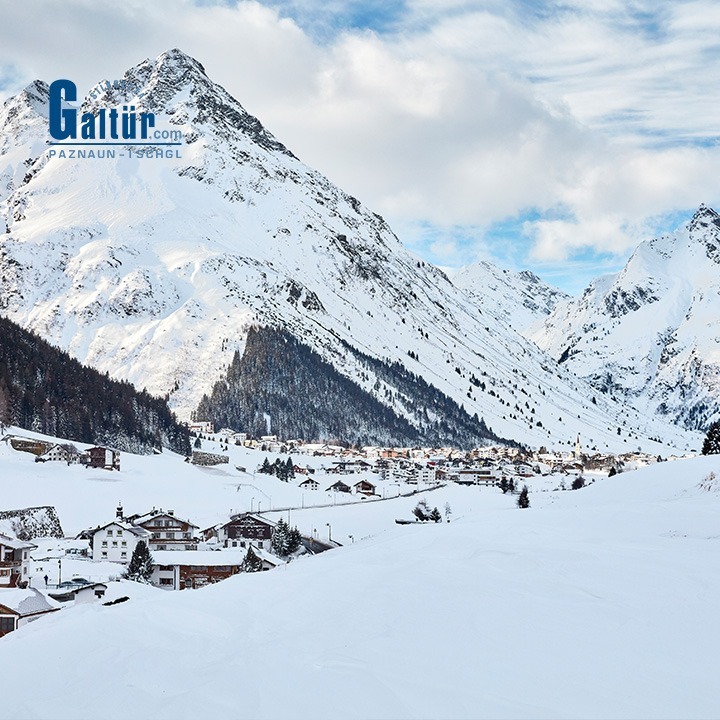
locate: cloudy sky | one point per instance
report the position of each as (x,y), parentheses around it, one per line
(547,135)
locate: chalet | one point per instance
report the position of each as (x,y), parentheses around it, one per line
(246,528)
(85,593)
(28,445)
(116,541)
(167,531)
(363,487)
(487,476)
(19,607)
(59,453)
(14,561)
(339,486)
(104,457)
(309,484)
(191,570)
(202,427)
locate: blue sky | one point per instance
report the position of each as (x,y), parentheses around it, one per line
(553,136)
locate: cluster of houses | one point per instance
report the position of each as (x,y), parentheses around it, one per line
(44,451)
(183,554)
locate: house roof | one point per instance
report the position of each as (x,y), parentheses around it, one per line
(139,531)
(14,543)
(25,602)
(139,519)
(195,558)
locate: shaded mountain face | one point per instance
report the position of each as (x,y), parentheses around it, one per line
(518,299)
(651,333)
(154,270)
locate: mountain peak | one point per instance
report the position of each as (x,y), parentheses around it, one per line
(703,217)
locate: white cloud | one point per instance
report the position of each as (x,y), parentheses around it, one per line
(468,114)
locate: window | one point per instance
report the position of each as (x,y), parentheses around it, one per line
(123,544)
(187,536)
(242,543)
(166,581)
(119,533)
(7,625)
(260,543)
(104,543)
(170,536)
(114,543)
(109,533)
(156,536)
(104,553)
(123,554)
(234,543)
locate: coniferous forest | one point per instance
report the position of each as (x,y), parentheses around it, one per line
(44,389)
(307,398)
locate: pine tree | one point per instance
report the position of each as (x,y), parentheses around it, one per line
(141,564)
(266,467)
(251,563)
(294,541)
(281,536)
(711,444)
(289,469)
(612,472)
(435,515)
(523,500)
(422,511)
(448,512)
(504,485)
(198,443)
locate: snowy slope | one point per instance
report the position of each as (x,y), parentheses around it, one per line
(518,299)
(153,270)
(651,333)
(594,603)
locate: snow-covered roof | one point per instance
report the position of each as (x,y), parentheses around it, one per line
(14,543)
(139,531)
(25,602)
(159,514)
(233,556)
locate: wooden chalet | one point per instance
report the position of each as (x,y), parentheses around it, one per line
(309,484)
(103,457)
(339,486)
(363,487)
(246,528)
(167,531)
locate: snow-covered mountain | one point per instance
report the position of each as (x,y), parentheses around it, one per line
(518,299)
(154,270)
(651,333)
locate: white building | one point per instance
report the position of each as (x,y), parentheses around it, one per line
(116,541)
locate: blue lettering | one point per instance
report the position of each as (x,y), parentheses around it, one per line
(63,121)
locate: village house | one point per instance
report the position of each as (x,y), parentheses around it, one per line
(191,570)
(486,476)
(19,607)
(167,532)
(116,541)
(363,487)
(103,457)
(60,453)
(14,561)
(339,486)
(309,484)
(245,529)
(202,427)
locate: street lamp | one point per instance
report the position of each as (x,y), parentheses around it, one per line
(329,532)
(59,571)
(352,539)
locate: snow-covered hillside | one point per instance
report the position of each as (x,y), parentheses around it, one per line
(518,299)
(651,333)
(153,270)
(592,603)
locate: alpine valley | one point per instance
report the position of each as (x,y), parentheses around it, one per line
(188,275)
